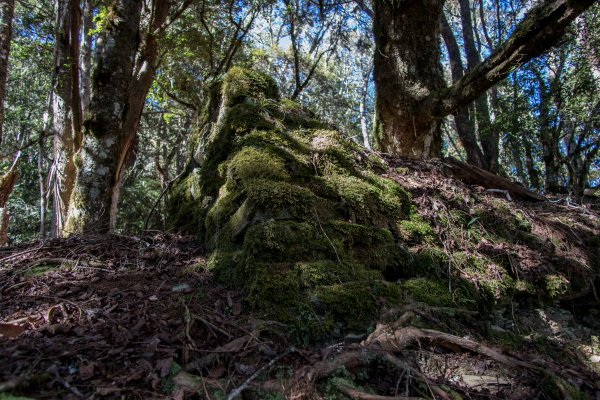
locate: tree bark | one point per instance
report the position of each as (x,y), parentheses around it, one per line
(464,125)
(7,184)
(86,53)
(7,9)
(410,95)
(125,63)
(407,72)
(488,137)
(364,126)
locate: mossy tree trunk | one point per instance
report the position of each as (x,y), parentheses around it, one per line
(125,63)
(407,72)
(410,96)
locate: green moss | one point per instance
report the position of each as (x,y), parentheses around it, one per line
(430,261)
(492,281)
(241,82)
(281,241)
(367,202)
(555,286)
(279,197)
(415,230)
(353,304)
(431,292)
(251,163)
(371,246)
(274,287)
(557,388)
(293,212)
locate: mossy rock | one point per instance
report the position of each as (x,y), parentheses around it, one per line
(292,212)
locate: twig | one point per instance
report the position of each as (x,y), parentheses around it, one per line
(212,326)
(244,385)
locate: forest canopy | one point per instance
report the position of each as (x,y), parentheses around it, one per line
(100,99)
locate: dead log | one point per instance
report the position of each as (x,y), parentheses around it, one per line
(473,175)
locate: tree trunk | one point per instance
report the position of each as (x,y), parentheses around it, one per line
(364,126)
(7,9)
(7,184)
(86,53)
(532,172)
(66,112)
(488,137)
(410,95)
(124,69)
(407,72)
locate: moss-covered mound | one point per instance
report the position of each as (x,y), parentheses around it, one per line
(291,211)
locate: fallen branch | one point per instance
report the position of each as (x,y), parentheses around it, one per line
(473,175)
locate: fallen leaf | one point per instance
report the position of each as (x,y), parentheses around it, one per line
(234,346)
(217,372)
(164,366)
(188,381)
(10,330)
(86,371)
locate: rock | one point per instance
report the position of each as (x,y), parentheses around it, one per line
(292,211)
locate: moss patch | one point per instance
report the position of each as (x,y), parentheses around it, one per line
(292,211)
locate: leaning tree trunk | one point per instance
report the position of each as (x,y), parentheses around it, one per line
(7,9)
(407,71)
(120,82)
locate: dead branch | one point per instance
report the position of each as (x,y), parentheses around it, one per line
(392,341)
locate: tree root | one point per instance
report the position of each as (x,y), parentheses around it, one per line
(386,341)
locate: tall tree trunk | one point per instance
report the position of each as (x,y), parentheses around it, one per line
(488,137)
(464,125)
(7,9)
(42,187)
(532,172)
(364,126)
(407,71)
(66,111)
(125,63)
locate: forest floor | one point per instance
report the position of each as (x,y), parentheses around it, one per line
(141,317)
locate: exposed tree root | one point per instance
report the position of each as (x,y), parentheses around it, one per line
(387,341)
